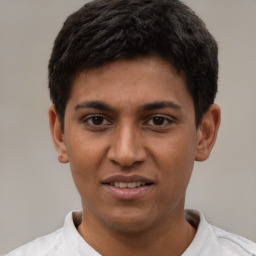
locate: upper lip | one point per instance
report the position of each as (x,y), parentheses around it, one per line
(126,179)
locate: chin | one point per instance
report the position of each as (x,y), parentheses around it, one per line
(130,223)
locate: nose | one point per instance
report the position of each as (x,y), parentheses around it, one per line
(127,146)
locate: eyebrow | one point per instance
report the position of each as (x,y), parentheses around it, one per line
(161,104)
(93,104)
(147,107)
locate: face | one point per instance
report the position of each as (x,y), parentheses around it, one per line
(131,140)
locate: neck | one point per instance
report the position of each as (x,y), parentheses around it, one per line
(170,237)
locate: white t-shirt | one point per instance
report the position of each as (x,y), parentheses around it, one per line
(209,240)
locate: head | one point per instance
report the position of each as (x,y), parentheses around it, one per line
(133,84)
(108,31)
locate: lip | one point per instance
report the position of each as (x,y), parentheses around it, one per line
(128,193)
(127,179)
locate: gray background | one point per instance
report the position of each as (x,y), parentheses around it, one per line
(36,192)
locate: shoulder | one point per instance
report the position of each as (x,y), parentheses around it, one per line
(212,241)
(63,242)
(51,244)
(234,244)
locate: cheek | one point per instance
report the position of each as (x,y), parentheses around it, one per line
(84,174)
(176,159)
(82,160)
(86,156)
(83,151)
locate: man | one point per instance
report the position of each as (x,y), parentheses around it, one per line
(133,85)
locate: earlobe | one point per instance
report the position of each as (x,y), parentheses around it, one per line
(207,132)
(57,135)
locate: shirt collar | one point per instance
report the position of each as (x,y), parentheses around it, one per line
(74,241)
(201,244)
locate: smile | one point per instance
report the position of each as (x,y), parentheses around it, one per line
(127,185)
(121,181)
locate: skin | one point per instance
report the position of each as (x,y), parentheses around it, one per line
(133,136)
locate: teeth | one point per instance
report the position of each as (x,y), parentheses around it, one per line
(122,185)
(132,185)
(127,185)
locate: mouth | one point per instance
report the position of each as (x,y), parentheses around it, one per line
(127,187)
(133,181)
(128,184)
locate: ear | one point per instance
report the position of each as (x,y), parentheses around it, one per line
(207,132)
(57,135)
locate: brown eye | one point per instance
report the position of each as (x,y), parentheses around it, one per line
(97,120)
(158,120)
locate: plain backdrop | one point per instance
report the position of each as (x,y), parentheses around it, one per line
(36,192)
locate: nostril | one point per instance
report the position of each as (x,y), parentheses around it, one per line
(124,158)
(126,148)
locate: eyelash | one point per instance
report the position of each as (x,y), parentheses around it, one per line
(105,122)
(166,120)
(89,120)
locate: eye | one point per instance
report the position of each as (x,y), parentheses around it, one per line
(96,120)
(159,121)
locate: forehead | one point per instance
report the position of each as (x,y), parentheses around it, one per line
(131,82)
